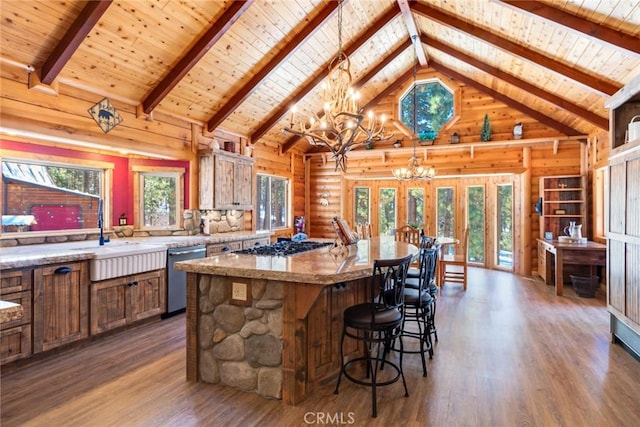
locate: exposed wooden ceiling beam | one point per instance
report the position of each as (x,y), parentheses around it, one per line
(559,17)
(72,39)
(359,83)
(201,47)
(566,105)
(542,118)
(282,110)
(596,83)
(412,28)
(296,40)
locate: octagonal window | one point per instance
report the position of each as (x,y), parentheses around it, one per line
(434,107)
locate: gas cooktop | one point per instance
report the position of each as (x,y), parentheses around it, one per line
(284,248)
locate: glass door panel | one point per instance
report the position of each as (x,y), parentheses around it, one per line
(387,211)
(504,228)
(445,214)
(362,206)
(476,221)
(415,207)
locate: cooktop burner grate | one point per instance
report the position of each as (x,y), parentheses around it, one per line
(284,248)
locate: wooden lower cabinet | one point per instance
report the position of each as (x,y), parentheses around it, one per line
(15,336)
(218,248)
(60,304)
(125,300)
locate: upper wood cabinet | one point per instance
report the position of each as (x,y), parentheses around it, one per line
(226,180)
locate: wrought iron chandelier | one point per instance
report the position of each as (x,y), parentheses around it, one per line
(414,171)
(342,124)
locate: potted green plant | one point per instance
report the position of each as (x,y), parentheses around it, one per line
(427,137)
(485,133)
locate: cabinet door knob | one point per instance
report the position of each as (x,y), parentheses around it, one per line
(62,270)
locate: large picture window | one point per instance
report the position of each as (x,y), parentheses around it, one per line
(272,202)
(47,196)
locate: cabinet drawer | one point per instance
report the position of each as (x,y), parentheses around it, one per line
(219,248)
(15,281)
(15,343)
(24,299)
(250,243)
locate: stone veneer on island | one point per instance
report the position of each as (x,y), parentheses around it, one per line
(281,341)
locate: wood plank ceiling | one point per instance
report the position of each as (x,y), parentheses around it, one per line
(240,65)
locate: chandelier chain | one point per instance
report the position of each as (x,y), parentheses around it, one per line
(414,171)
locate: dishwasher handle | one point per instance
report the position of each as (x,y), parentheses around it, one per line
(193,251)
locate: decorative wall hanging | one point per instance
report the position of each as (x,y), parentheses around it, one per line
(105,115)
(517,131)
(324,197)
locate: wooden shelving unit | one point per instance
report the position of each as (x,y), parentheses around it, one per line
(564,199)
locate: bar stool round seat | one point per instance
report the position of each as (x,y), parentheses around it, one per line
(377,323)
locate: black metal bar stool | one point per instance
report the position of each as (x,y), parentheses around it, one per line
(377,323)
(419,305)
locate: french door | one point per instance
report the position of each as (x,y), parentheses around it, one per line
(483,204)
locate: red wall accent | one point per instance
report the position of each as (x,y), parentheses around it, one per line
(122,172)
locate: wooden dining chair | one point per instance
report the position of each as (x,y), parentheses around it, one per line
(453,268)
(364,231)
(408,234)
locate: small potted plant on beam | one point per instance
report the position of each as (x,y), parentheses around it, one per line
(427,137)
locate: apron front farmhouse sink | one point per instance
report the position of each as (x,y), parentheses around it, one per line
(124,258)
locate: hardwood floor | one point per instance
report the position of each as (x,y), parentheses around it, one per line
(510,353)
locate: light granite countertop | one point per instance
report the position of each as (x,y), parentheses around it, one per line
(9,311)
(52,253)
(321,266)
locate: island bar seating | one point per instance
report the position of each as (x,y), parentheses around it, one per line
(377,323)
(419,305)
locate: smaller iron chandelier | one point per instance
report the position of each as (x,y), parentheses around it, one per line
(414,171)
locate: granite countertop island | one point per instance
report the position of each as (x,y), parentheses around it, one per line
(272,324)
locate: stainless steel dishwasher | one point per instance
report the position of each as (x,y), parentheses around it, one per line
(177,280)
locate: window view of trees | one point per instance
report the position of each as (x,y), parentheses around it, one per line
(271,202)
(445,214)
(434,107)
(446,209)
(476,219)
(159,200)
(362,205)
(415,207)
(82,180)
(387,209)
(49,196)
(505,225)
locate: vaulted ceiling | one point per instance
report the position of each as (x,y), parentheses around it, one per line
(240,65)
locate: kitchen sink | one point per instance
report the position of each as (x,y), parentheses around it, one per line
(123,259)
